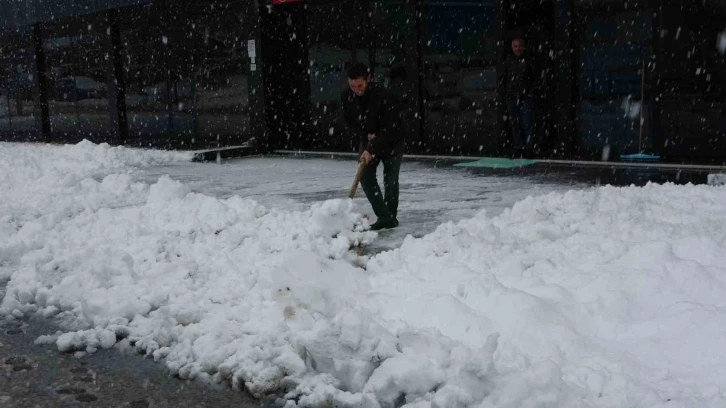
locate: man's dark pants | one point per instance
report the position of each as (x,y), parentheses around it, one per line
(520,112)
(385,206)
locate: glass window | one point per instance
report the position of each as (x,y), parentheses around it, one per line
(460,75)
(286,76)
(186,71)
(330,45)
(18,110)
(152,83)
(76,62)
(378,34)
(25,13)
(393,52)
(221,76)
(692,79)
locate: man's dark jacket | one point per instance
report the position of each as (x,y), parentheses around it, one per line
(377,112)
(518,79)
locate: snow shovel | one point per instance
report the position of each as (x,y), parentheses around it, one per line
(354,187)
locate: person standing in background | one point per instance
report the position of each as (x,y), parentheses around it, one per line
(518,82)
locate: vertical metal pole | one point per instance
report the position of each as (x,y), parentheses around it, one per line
(500,18)
(656,127)
(566,91)
(421,71)
(116,82)
(642,105)
(413,65)
(255,89)
(41,83)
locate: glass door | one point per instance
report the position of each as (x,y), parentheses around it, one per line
(615,81)
(460,82)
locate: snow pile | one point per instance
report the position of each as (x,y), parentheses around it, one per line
(604,298)
(618,294)
(717,179)
(39,180)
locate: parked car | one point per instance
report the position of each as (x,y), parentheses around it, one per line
(76,88)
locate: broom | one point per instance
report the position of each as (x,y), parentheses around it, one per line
(356,180)
(641,155)
(354,188)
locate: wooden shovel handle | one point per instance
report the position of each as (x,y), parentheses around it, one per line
(354,187)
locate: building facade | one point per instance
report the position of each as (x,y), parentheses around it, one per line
(612,76)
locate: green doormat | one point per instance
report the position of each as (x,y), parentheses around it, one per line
(497,163)
(640,156)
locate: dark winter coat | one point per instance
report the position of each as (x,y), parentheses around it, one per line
(378,112)
(519,77)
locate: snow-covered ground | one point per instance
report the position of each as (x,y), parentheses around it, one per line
(594,297)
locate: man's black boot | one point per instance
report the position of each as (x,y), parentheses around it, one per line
(384,223)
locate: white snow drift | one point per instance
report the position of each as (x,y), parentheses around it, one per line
(609,297)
